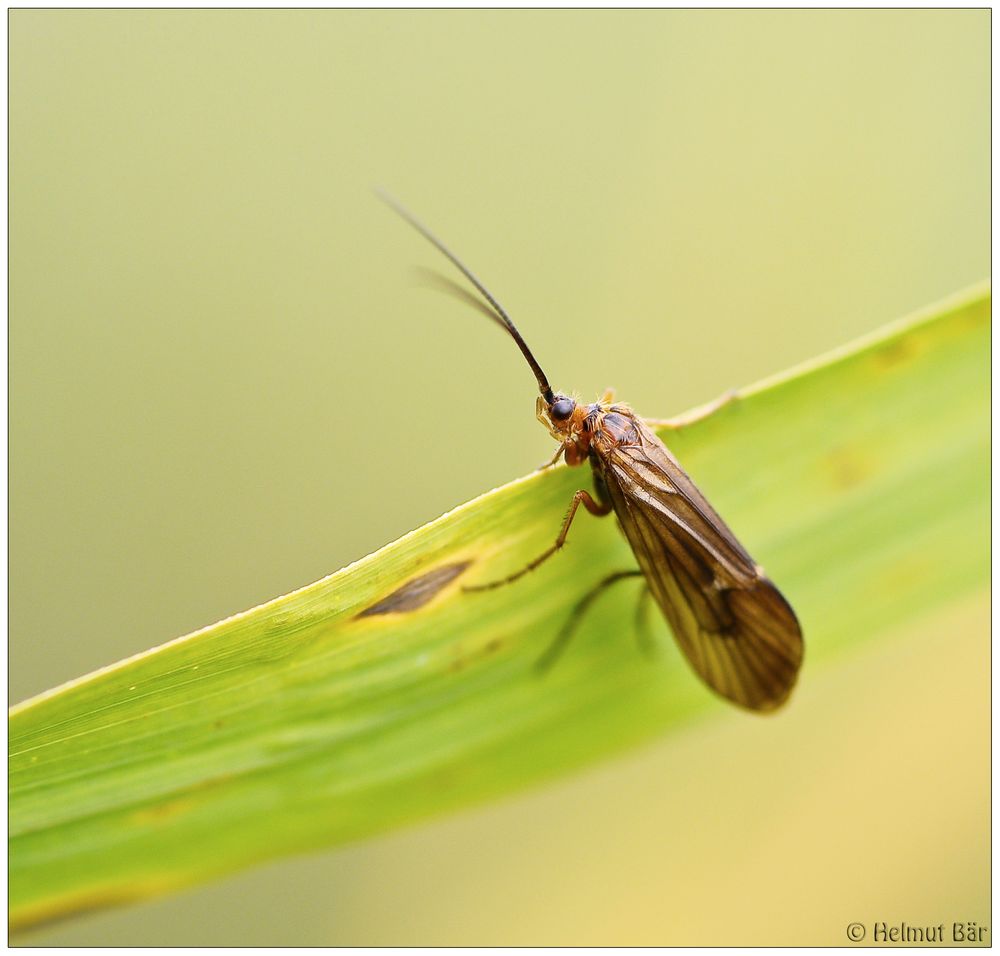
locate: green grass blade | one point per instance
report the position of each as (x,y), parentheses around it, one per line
(859,480)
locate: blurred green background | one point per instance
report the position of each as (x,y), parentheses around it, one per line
(227,380)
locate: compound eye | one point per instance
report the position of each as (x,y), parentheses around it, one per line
(562,409)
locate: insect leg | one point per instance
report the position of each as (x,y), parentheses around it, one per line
(643,635)
(580,497)
(696,414)
(552,460)
(556,648)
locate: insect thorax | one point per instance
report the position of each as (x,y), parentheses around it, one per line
(597,429)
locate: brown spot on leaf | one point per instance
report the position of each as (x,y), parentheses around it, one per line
(895,352)
(417,591)
(462,658)
(848,468)
(161,812)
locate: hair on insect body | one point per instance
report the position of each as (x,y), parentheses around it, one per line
(734,627)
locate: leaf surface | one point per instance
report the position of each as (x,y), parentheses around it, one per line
(384,694)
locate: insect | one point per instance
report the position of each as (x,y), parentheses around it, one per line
(734,627)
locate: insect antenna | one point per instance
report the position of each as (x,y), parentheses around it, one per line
(498,314)
(450,287)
